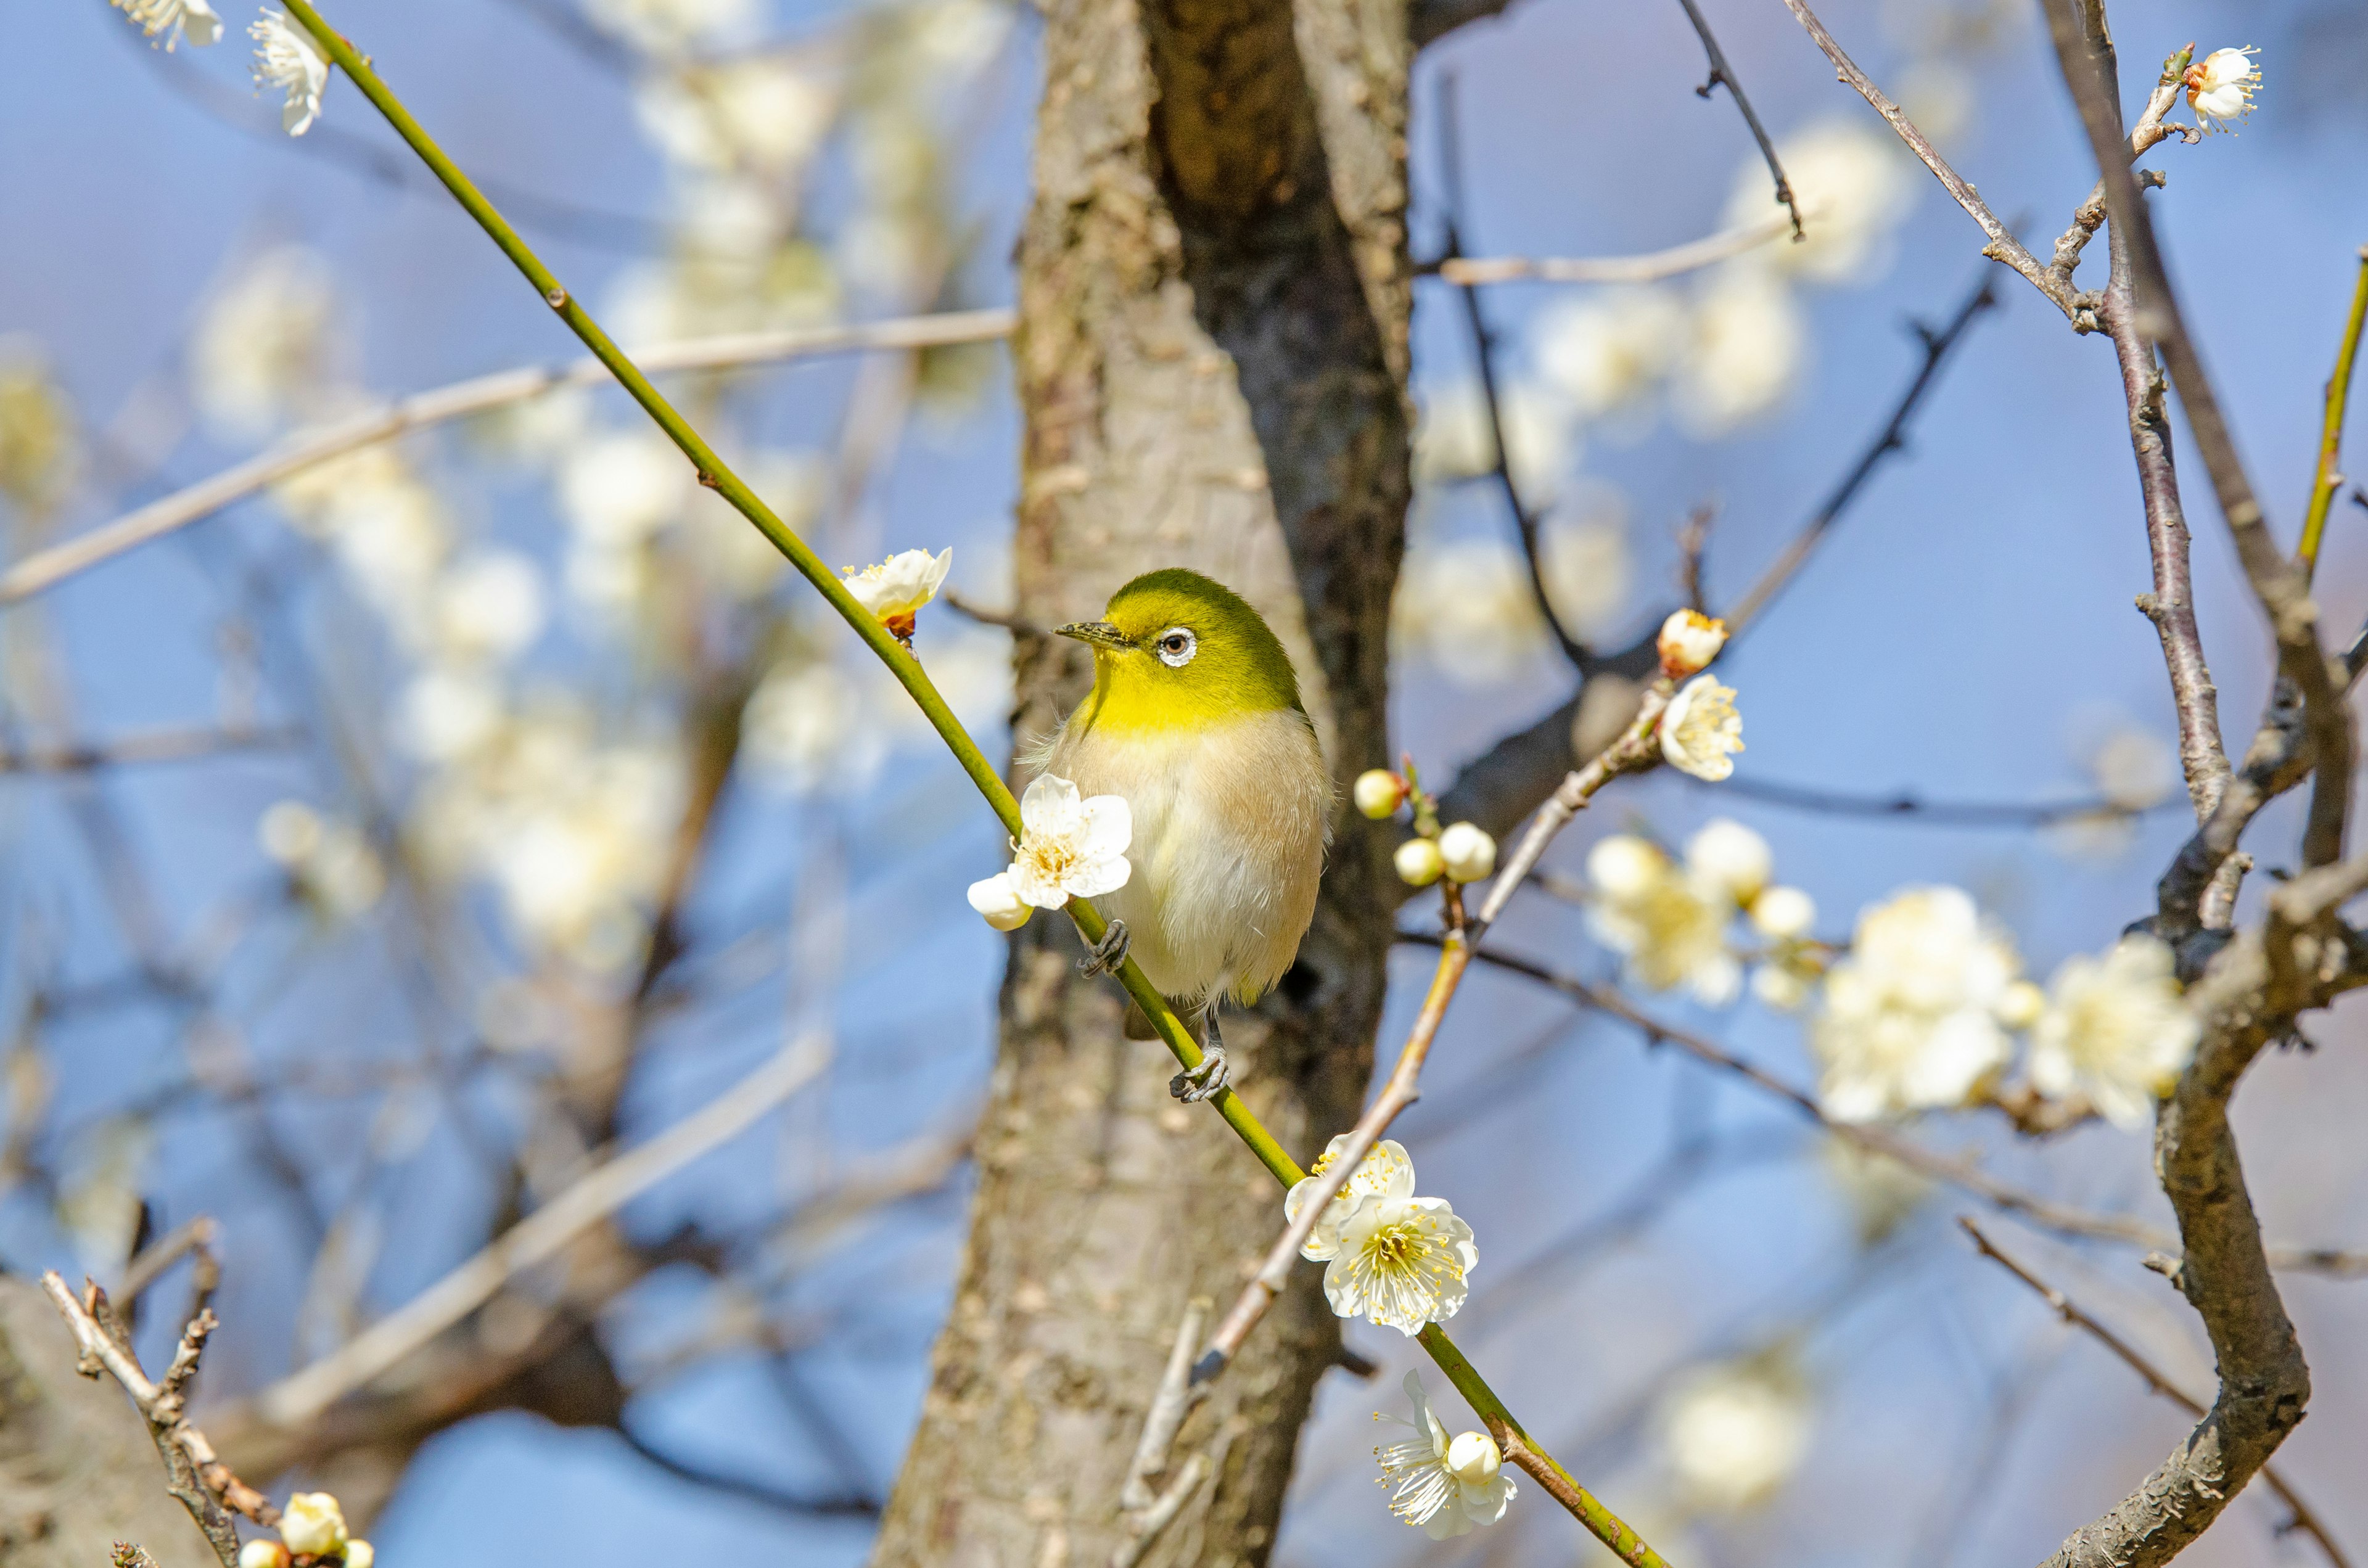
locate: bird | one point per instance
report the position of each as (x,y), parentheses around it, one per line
(1195,719)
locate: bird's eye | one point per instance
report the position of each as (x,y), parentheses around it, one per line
(1176,647)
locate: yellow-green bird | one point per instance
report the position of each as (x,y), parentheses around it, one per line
(1195,720)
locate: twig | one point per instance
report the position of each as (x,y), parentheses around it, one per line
(1650,267)
(1397,1092)
(1009,620)
(1175,1397)
(303,1395)
(195,1475)
(1960,1174)
(178,743)
(2089,216)
(45,569)
(1892,438)
(2304,1519)
(2003,246)
(198,1236)
(1525,521)
(1693,558)
(1910,808)
(2329,478)
(1632,752)
(1722,73)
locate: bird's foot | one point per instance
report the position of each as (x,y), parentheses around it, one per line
(1197,1084)
(1105,956)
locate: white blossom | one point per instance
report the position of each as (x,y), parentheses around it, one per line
(999,903)
(2134,767)
(1069,847)
(1466,608)
(1419,862)
(1466,852)
(262,354)
(1909,1019)
(1379,793)
(1700,727)
(895,589)
(1689,641)
(763,114)
(807,730)
(1384,1172)
(1401,1263)
(312,1524)
(1729,857)
(2220,87)
(1609,352)
(1784,915)
(1854,186)
(1748,342)
(174,18)
(1734,1433)
(1668,922)
(665,27)
(2115,1030)
(1447,1487)
(287,58)
(1585,562)
(489,606)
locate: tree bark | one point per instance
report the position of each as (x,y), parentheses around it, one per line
(1211,361)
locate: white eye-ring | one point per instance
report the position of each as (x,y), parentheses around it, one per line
(1176,646)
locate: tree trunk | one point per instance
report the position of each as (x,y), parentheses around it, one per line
(1211,360)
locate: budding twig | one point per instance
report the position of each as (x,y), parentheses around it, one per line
(2329,477)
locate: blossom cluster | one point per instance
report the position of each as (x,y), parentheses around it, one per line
(1672,919)
(312,1534)
(1395,1259)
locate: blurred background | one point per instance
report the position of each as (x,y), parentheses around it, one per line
(352,836)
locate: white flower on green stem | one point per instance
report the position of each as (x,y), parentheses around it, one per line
(1700,727)
(1447,1487)
(1069,847)
(2220,87)
(1401,1263)
(313,1525)
(2115,1030)
(287,58)
(895,590)
(1909,1020)
(1384,1172)
(174,18)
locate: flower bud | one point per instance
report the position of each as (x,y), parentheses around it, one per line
(1467,853)
(1474,1458)
(358,1554)
(1784,915)
(1689,642)
(2022,1004)
(313,1525)
(1624,866)
(1419,862)
(263,1553)
(1731,858)
(999,903)
(1379,793)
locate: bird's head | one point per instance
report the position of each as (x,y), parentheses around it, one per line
(1176,650)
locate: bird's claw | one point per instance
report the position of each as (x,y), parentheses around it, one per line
(1197,1084)
(1105,956)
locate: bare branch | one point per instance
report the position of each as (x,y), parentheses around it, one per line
(302,1395)
(2304,1518)
(44,569)
(2003,246)
(1721,73)
(1650,267)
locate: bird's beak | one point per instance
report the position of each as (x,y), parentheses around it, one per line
(1100,633)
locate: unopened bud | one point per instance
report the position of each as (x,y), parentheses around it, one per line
(1379,793)
(313,1525)
(999,903)
(1467,853)
(358,1554)
(1474,1458)
(1419,862)
(260,1553)
(1689,642)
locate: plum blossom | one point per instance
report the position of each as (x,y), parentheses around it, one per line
(1402,1263)
(1700,727)
(287,58)
(1447,1487)
(1734,1433)
(894,590)
(2115,1030)
(2220,87)
(1384,1172)
(174,18)
(1909,1020)
(1069,847)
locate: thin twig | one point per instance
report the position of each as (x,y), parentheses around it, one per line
(45,569)
(1633,752)
(1908,807)
(1525,521)
(1650,267)
(196,1236)
(1169,1405)
(1892,438)
(2003,246)
(1721,73)
(175,743)
(2156,1382)
(541,1235)
(2329,477)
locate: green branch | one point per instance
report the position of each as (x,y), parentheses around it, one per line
(2326,479)
(718,475)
